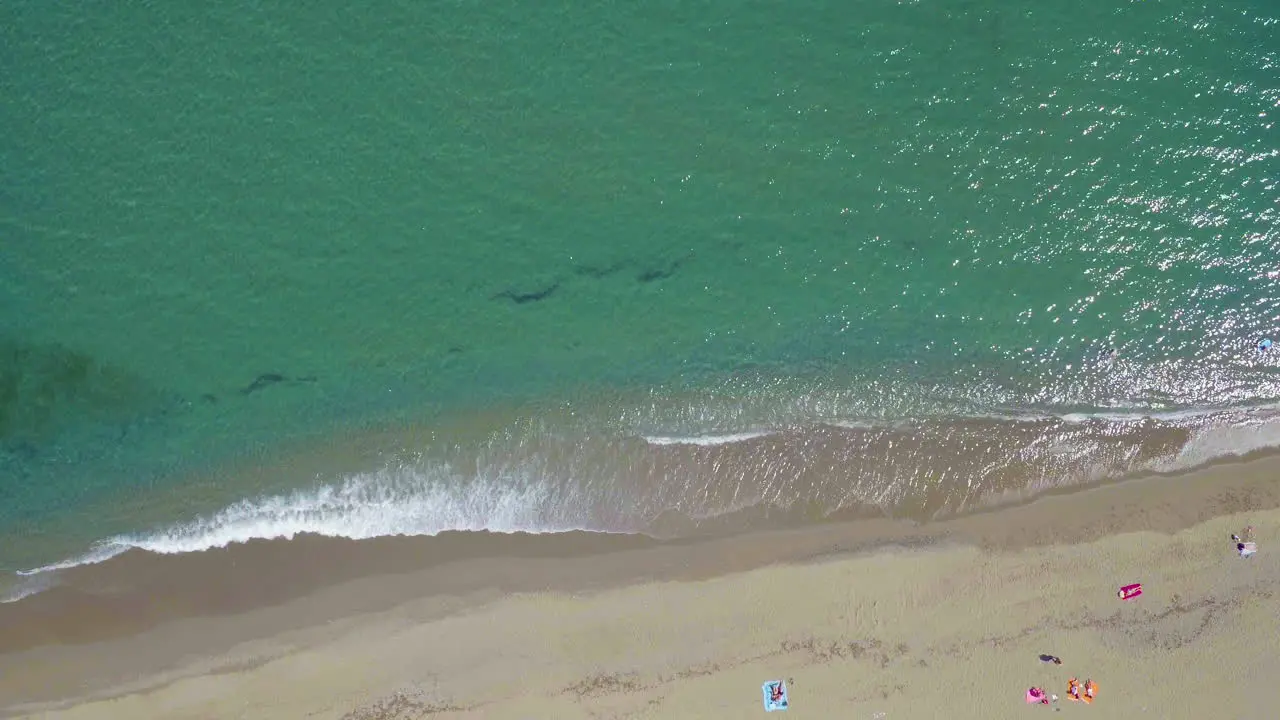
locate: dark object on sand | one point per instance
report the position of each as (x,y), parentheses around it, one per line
(1051,658)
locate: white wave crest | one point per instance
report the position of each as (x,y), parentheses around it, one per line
(389,502)
(101,552)
(707,440)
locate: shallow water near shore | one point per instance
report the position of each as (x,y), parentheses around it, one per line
(620,269)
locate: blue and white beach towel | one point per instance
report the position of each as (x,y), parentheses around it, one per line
(769,703)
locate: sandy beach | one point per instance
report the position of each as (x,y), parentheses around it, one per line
(863,619)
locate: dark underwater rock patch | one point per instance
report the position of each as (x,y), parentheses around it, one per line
(262,381)
(661,272)
(599,272)
(46,389)
(268,379)
(521,297)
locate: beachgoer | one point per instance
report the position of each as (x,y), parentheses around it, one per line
(775,693)
(1129,592)
(1073,690)
(1090,691)
(1244,542)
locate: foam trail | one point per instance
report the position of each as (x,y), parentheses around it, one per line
(396,502)
(393,501)
(547,477)
(101,552)
(28,586)
(1227,441)
(707,440)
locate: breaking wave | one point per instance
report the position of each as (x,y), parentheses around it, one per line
(551,476)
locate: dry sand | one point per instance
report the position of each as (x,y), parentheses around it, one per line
(946,623)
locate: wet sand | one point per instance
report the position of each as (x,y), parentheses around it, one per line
(868,618)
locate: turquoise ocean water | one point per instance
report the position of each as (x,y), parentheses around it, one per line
(620,262)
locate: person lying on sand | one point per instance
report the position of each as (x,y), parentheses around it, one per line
(775,692)
(1244,542)
(1090,691)
(1037,695)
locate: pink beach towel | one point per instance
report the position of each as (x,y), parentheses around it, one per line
(1036,695)
(1129,592)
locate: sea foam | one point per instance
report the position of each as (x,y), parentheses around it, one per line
(707,440)
(399,500)
(616,486)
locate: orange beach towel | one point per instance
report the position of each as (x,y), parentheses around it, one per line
(1090,691)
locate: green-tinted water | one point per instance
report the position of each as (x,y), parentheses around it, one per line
(224,227)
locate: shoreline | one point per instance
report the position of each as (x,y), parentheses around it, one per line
(161,611)
(666,476)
